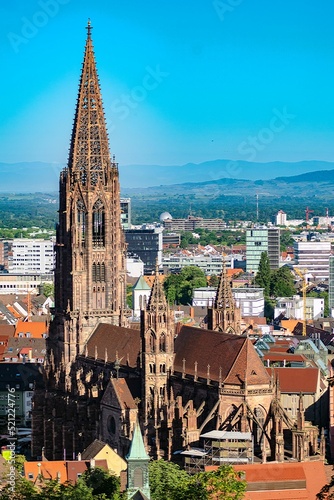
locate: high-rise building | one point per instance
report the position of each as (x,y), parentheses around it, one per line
(313,257)
(126,213)
(260,240)
(331,285)
(147,244)
(31,256)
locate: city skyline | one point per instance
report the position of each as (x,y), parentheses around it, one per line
(227,79)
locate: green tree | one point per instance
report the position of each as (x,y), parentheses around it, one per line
(213,280)
(101,482)
(47,289)
(179,287)
(168,481)
(282,283)
(263,275)
(224,483)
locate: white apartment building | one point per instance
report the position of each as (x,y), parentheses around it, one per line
(22,283)
(31,256)
(280,218)
(249,300)
(210,264)
(313,256)
(293,307)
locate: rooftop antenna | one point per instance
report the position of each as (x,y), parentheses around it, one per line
(257,207)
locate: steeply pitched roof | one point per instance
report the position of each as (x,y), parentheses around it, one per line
(93,449)
(115,339)
(230,357)
(141,284)
(137,448)
(123,393)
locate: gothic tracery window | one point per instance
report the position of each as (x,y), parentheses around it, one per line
(98,224)
(81,220)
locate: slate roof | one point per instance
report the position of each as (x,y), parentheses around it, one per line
(232,355)
(115,339)
(93,449)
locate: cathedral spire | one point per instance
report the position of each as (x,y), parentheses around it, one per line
(224,316)
(89,157)
(224,297)
(157,300)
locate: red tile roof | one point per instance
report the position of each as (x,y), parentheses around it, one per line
(35,328)
(115,339)
(282,481)
(229,356)
(123,393)
(297,380)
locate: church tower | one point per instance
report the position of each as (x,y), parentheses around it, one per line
(90,249)
(157,336)
(224,316)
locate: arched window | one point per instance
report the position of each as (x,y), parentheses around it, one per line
(81,221)
(152,342)
(163,342)
(138,477)
(98,224)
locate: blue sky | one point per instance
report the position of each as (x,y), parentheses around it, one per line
(182,80)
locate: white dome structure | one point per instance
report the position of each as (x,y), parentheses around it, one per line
(164,216)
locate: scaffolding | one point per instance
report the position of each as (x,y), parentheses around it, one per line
(220,447)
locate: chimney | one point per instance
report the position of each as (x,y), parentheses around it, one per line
(79,457)
(92,463)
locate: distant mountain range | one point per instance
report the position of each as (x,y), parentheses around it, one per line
(210,178)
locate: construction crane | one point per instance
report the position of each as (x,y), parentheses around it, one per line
(307,213)
(302,274)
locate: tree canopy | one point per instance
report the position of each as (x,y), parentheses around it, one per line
(169,482)
(179,287)
(263,275)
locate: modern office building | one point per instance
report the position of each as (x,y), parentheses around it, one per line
(126,213)
(210,264)
(147,244)
(250,301)
(260,240)
(331,285)
(192,223)
(31,256)
(313,257)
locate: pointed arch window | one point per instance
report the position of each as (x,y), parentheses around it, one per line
(81,221)
(163,342)
(152,340)
(98,224)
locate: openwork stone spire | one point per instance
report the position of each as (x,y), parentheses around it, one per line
(89,157)
(157,300)
(224,316)
(90,277)
(224,297)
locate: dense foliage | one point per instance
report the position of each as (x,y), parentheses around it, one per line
(94,484)
(169,482)
(179,287)
(276,283)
